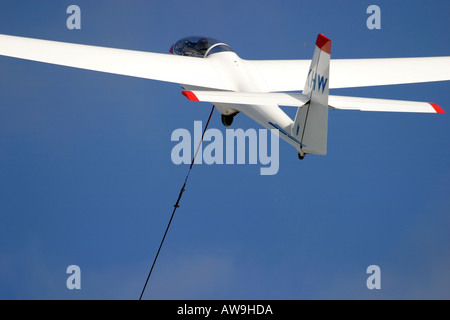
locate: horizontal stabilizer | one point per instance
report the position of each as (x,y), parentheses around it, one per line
(298,100)
(370,104)
(253,98)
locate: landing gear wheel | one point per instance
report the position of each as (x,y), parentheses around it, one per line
(227,120)
(300,156)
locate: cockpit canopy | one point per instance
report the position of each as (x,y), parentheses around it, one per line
(200,47)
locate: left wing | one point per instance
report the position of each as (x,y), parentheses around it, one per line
(298,100)
(155,66)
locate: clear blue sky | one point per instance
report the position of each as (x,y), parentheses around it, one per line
(86,176)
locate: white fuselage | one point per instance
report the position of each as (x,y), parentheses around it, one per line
(240,75)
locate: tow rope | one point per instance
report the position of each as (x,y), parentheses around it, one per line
(177,204)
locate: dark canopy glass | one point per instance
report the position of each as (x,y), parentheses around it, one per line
(198,47)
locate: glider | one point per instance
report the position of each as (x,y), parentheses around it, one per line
(209,70)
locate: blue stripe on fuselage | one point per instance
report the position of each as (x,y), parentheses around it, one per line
(285,133)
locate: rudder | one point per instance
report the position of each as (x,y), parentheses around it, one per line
(311,121)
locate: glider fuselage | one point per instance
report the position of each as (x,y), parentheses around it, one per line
(236,75)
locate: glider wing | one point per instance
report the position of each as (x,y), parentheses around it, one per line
(155,66)
(283,75)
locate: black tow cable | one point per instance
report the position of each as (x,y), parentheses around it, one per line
(177,204)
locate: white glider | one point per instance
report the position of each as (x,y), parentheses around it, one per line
(209,70)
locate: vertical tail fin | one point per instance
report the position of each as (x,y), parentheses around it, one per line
(311,121)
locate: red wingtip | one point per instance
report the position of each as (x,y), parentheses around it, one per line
(437,108)
(323,43)
(190,95)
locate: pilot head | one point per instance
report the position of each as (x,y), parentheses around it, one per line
(202,45)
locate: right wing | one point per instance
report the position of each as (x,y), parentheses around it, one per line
(290,75)
(298,100)
(155,66)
